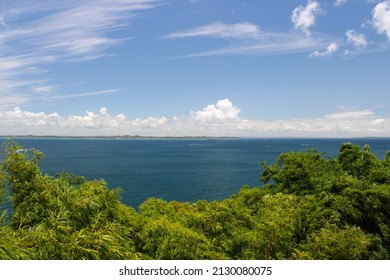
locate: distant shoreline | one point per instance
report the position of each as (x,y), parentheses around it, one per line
(139,137)
(119,137)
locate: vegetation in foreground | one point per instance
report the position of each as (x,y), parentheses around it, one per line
(311,206)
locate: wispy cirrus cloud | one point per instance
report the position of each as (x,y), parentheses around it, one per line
(84,94)
(270,45)
(44,89)
(339,3)
(69,28)
(253,40)
(36,33)
(7,101)
(249,38)
(2,22)
(221,30)
(359,114)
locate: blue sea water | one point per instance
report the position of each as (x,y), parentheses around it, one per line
(182,170)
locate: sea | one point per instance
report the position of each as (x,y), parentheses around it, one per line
(185,170)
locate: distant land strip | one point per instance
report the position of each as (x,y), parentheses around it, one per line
(131,137)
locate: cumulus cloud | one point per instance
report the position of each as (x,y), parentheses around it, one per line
(150,122)
(356,39)
(224,110)
(381,18)
(17,121)
(346,123)
(221,30)
(378,121)
(340,124)
(221,119)
(330,50)
(17,117)
(304,17)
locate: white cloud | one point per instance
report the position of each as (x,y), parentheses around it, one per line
(250,39)
(93,93)
(339,3)
(356,39)
(224,110)
(7,101)
(221,119)
(25,119)
(304,18)
(2,22)
(351,114)
(44,89)
(330,50)
(381,18)
(149,122)
(19,122)
(40,32)
(378,121)
(221,30)
(22,62)
(341,124)
(78,27)
(269,43)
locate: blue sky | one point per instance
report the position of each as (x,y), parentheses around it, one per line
(195,67)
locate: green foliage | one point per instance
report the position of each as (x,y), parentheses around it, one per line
(311,206)
(2,185)
(301,172)
(162,239)
(12,245)
(65,217)
(333,243)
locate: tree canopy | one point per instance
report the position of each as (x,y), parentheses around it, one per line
(309,206)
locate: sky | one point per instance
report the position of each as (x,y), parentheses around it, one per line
(251,68)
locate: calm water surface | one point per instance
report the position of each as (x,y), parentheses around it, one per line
(183,170)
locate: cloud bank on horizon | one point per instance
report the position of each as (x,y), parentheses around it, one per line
(65,65)
(221,119)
